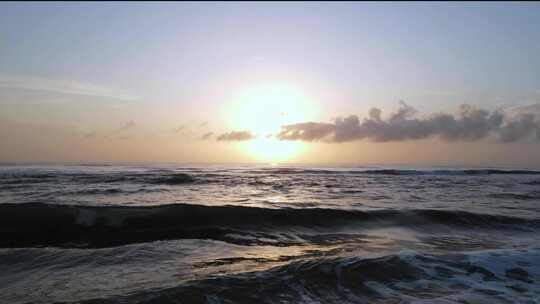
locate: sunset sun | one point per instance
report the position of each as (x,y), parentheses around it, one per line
(262,110)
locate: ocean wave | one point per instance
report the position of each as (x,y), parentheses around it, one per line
(396,278)
(532,183)
(109,191)
(174,179)
(516,196)
(28,179)
(281,171)
(166,178)
(36,224)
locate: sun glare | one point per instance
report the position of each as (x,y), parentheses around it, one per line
(262,110)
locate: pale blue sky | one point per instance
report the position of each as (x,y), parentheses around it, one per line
(182,61)
(489,48)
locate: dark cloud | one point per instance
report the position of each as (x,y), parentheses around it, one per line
(235,136)
(206,136)
(521,126)
(469,124)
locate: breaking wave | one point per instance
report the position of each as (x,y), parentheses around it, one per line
(37,224)
(397,278)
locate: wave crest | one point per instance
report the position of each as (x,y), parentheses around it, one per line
(37,224)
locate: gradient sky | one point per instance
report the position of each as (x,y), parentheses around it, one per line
(146,81)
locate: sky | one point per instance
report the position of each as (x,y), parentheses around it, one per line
(361,83)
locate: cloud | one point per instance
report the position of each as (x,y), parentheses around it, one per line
(128,125)
(235,136)
(62,86)
(203,124)
(470,124)
(180,128)
(206,136)
(520,127)
(530,108)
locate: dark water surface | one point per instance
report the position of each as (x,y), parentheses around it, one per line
(268,234)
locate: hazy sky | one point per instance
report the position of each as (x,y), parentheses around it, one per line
(215,82)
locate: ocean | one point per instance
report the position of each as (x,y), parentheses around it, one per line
(105,233)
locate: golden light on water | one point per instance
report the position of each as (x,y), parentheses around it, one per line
(262,110)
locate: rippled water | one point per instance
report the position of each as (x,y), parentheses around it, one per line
(244,234)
